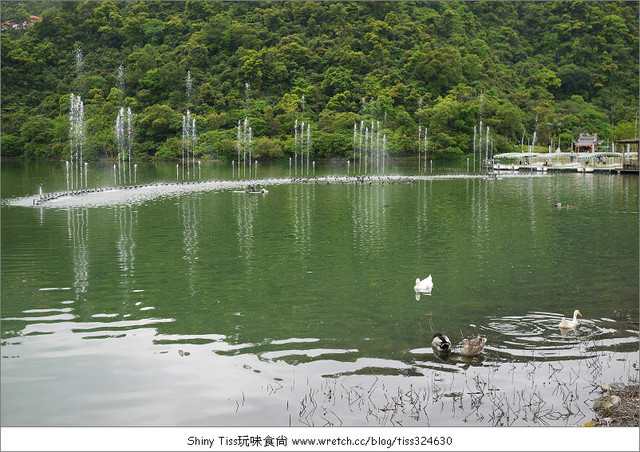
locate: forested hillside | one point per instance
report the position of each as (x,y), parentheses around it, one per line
(559,68)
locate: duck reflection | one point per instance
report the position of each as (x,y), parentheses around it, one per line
(472,361)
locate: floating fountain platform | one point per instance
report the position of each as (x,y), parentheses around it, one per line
(127,194)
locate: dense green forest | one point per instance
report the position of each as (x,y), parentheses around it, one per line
(556,68)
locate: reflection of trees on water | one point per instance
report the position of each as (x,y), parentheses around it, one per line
(189,211)
(77,225)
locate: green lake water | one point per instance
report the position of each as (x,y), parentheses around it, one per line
(208,306)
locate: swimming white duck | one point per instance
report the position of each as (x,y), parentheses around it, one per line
(441,343)
(569,324)
(471,347)
(426,285)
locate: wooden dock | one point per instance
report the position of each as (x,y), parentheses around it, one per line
(565,169)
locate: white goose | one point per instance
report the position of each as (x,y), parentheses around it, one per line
(570,324)
(426,285)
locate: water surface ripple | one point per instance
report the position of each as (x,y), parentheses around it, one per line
(201,304)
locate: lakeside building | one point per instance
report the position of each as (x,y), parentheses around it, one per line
(586,143)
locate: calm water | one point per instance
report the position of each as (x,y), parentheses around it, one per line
(212,307)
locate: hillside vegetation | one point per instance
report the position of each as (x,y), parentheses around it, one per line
(559,68)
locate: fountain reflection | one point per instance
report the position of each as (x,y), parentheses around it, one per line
(189,210)
(368,213)
(480,208)
(77,225)
(422,211)
(127,219)
(302,197)
(244,207)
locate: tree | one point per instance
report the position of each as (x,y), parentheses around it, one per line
(525,58)
(37,134)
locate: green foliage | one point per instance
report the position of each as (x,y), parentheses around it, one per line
(12,145)
(266,147)
(37,134)
(560,68)
(169,150)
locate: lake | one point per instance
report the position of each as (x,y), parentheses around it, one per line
(204,305)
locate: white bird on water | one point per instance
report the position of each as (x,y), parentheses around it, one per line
(570,324)
(426,285)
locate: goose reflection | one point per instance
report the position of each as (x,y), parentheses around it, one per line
(565,331)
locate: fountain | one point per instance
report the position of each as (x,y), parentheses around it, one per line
(189,87)
(355,140)
(76,132)
(360,141)
(426,144)
(124,135)
(250,146)
(533,142)
(76,142)
(295,148)
(121,81)
(378,147)
(302,146)
(189,136)
(419,134)
(189,139)
(239,142)
(535,133)
(366,143)
(244,144)
(366,147)
(308,145)
(384,150)
(247,137)
(480,141)
(474,148)
(486,157)
(244,139)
